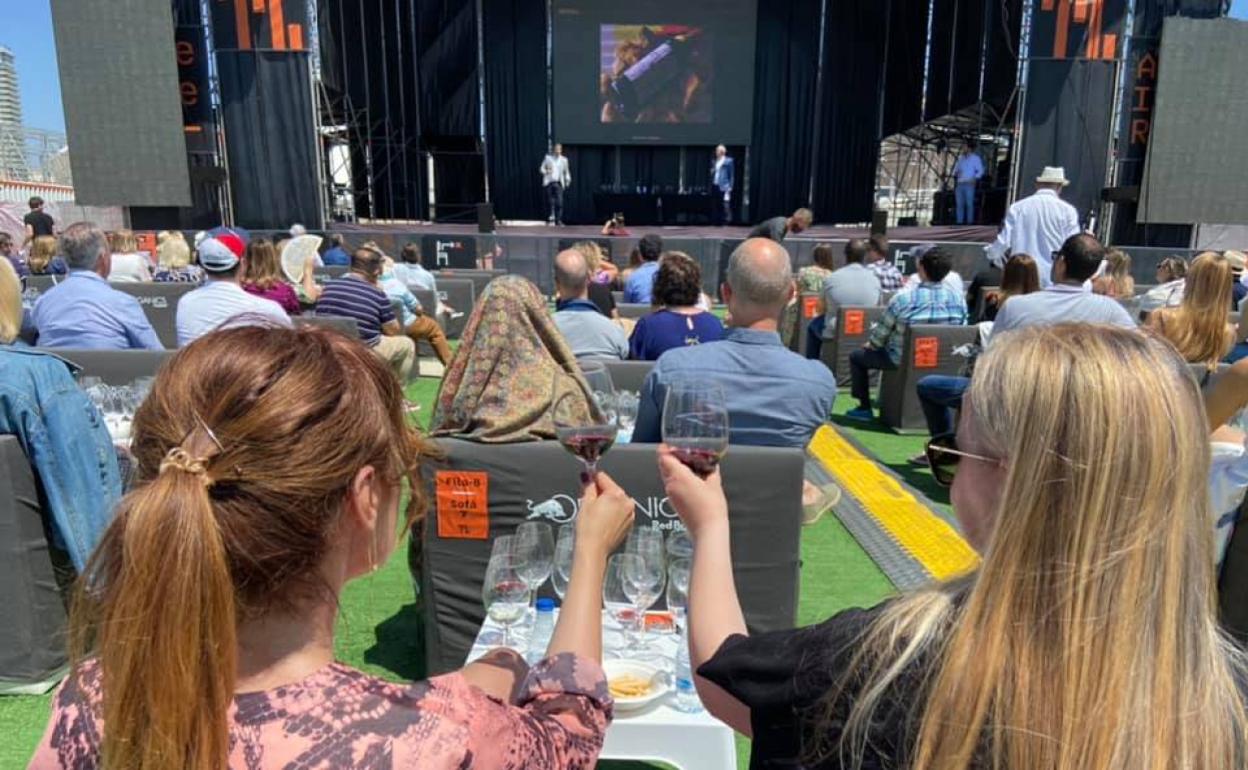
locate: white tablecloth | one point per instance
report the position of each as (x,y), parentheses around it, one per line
(658,732)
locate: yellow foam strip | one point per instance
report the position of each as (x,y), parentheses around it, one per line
(919,531)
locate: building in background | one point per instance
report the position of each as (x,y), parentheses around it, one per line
(12,134)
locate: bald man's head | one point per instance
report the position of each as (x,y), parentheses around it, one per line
(571,274)
(760,281)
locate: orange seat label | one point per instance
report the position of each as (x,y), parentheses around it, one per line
(463,499)
(926,352)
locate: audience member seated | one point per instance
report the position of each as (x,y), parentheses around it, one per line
(83,311)
(882,265)
(1198,328)
(60,431)
(588,332)
(1080,509)
(173,260)
(417,278)
(417,324)
(1168,292)
(357,295)
(634,262)
(221,302)
(1021,276)
(336,255)
(511,368)
(43,259)
(639,288)
(271,468)
(931,302)
(774,396)
(988,276)
(599,290)
(810,278)
(952,279)
(128,265)
(853,285)
(1116,282)
(602,269)
(262,276)
(678,322)
(9,253)
(778,228)
(1066,300)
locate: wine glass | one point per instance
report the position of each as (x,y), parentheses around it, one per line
(564,547)
(616,600)
(643,582)
(695,425)
(533,545)
(587,434)
(679,545)
(505,594)
(678,572)
(626,404)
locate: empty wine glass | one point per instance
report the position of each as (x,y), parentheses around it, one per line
(616,600)
(587,434)
(679,545)
(564,548)
(643,582)
(534,548)
(695,425)
(678,572)
(505,594)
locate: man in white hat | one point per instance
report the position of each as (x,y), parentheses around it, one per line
(1038,225)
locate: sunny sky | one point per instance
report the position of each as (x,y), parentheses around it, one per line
(26,28)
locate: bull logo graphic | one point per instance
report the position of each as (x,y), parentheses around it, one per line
(560,509)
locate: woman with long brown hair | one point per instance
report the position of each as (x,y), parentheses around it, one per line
(1086,638)
(1198,328)
(1021,276)
(271,464)
(262,276)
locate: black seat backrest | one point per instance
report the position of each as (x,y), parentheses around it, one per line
(927,349)
(160,304)
(487,490)
(347,326)
(634,310)
(116,367)
(461,294)
(628,375)
(852,328)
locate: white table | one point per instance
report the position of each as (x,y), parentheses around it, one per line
(658,732)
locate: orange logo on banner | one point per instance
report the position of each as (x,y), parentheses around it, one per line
(463,500)
(810,307)
(855,322)
(926,352)
(1087,12)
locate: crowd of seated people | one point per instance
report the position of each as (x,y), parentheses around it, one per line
(680,319)
(127,264)
(1198,327)
(222,301)
(589,332)
(173,260)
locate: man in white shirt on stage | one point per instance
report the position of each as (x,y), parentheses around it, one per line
(1037,226)
(967,171)
(723,176)
(556,177)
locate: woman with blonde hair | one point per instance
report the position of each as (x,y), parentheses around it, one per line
(1117,281)
(1087,636)
(173,260)
(43,259)
(599,289)
(271,464)
(1171,280)
(1198,327)
(128,265)
(11,311)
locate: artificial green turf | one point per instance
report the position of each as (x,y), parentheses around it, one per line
(379,630)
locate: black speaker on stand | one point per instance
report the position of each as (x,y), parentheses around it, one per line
(485,217)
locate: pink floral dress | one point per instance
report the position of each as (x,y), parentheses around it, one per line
(341,718)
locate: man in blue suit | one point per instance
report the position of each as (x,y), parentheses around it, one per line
(723,175)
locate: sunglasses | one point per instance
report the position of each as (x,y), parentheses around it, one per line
(943,456)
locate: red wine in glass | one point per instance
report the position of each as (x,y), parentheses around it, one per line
(589,443)
(702,460)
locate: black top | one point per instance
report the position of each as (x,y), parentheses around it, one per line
(783,676)
(775,229)
(600,295)
(39,222)
(989,276)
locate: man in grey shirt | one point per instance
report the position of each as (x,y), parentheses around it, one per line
(853,285)
(1066,300)
(588,332)
(777,228)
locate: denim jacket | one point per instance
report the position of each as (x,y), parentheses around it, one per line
(66,441)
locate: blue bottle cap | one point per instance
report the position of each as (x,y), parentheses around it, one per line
(545,605)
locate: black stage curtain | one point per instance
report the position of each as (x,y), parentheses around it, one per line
(845,166)
(515,105)
(446,32)
(593,170)
(785,75)
(907,49)
(266,99)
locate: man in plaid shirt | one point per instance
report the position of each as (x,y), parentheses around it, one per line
(931,302)
(890,277)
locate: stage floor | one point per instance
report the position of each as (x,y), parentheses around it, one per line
(959,233)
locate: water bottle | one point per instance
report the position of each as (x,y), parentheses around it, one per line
(543,629)
(686,694)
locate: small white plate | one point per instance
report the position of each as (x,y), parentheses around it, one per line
(640,670)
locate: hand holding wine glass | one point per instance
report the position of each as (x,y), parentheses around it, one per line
(695,425)
(700,503)
(605,519)
(588,431)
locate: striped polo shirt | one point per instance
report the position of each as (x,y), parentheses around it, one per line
(353,297)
